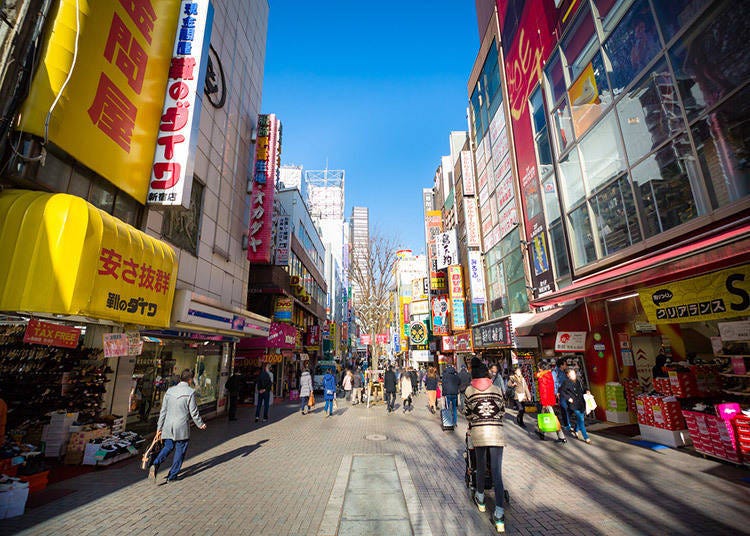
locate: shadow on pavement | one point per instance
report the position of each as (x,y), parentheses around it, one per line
(199,467)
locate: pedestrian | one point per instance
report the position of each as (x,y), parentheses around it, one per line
(485,409)
(357,382)
(389,384)
(546,382)
(234,383)
(521,393)
(559,377)
(177,408)
(406,391)
(496,377)
(305,390)
(451,384)
(572,391)
(263,384)
(414,381)
(464,380)
(346,383)
(329,392)
(431,385)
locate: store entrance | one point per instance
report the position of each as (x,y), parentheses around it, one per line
(645,350)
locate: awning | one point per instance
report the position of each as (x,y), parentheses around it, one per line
(719,250)
(62,255)
(542,322)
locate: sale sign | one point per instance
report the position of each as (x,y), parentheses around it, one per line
(49,334)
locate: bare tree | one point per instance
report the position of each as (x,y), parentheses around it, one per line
(372,276)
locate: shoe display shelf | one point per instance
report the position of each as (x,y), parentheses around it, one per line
(736,377)
(716,435)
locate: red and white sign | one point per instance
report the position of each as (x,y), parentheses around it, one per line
(508,219)
(282,336)
(467,172)
(172,172)
(365,339)
(570,341)
(49,334)
(122,344)
(448,343)
(381,338)
(455,281)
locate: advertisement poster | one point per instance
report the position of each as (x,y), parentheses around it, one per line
(456,281)
(440,315)
(570,341)
(267,154)
(49,334)
(447,249)
(458,317)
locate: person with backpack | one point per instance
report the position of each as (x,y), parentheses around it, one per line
(329,392)
(451,384)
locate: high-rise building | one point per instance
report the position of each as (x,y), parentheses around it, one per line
(359,235)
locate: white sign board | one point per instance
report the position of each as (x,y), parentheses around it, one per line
(281,255)
(735,331)
(476,278)
(467,172)
(570,341)
(447,249)
(471,218)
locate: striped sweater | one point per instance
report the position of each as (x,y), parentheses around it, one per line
(485,410)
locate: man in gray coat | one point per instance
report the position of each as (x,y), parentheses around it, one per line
(177,408)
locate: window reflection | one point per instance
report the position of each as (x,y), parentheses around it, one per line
(616,218)
(589,95)
(555,77)
(673,14)
(601,153)
(571,179)
(580,43)
(559,252)
(581,238)
(563,126)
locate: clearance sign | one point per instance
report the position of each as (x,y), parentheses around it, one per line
(109,113)
(714,296)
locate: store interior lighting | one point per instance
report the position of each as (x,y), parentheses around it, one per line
(620,298)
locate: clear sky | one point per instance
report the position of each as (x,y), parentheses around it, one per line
(374,87)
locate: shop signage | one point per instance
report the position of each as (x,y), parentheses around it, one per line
(381,338)
(174,154)
(476,278)
(463,341)
(281,255)
(458,318)
(420,307)
(483,176)
(109,108)
(714,296)
(420,355)
(440,315)
(282,336)
(493,335)
(504,189)
(570,341)
(455,281)
(365,339)
(282,309)
(507,219)
(418,333)
(471,218)
(122,344)
(467,172)
(427,202)
(644,327)
(49,334)
(263,179)
(215,87)
(313,335)
(448,343)
(191,312)
(272,358)
(527,342)
(447,249)
(735,331)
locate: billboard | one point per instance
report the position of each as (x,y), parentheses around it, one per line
(467,173)
(283,244)
(447,249)
(267,154)
(476,278)
(440,308)
(471,219)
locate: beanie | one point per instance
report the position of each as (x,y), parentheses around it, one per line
(478,369)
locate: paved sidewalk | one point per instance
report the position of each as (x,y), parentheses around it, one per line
(278,478)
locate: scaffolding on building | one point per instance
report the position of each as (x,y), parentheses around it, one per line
(325,193)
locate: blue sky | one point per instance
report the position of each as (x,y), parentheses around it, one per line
(374,87)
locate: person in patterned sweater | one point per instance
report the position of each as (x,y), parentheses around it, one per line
(485,409)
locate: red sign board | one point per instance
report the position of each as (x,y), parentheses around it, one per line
(365,339)
(267,155)
(381,338)
(49,334)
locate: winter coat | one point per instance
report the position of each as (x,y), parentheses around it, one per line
(485,409)
(305,385)
(450,381)
(414,380)
(264,381)
(573,390)
(389,382)
(518,382)
(430,383)
(329,386)
(177,408)
(499,382)
(347,383)
(464,380)
(406,389)
(560,377)
(546,382)
(357,380)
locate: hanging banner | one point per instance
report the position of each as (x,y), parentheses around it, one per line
(381,338)
(365,339)
(448,343)
(281,254)
(714,296)
(476,278)
(447,249)
(282,309)
(455,281)
(467,173)
(440,315)
(458,316)
(471,219)
(570,341)
(49,334)
(122,344)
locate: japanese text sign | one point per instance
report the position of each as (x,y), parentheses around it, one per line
(458,318)
(174,154)
(49,334)
(365,339)
(471,218)
(570,341)
(476,278)
(122,344)
(492,335)
(467,172)
(447,249)
(107,113)
(455,281)
(281,257)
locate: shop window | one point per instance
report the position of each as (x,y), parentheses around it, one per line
(80,183)
(589,95)
(126,209)
(102,195)
(563,126)
(667,184)
(518,298)
(555,77)
(551,200)
(580,43)
(581,237)
(181,226)
(513,265)
(541,135)
(712,59)
(571,180)
(723,143)
(672,15)
(616,218)
(602,155)
(55,173)
(650,113)
(632,45)
(560,260)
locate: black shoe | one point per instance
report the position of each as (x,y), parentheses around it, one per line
(256,419)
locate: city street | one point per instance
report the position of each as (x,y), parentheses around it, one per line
(365,472)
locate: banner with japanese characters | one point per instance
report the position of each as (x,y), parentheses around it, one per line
(109,109)
(174,155)
(447,249)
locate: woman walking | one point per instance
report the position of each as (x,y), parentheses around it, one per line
(406,392)
(305,390)
(572,391)
(485,409)
(521,393)
(431,385)
(546,382)
(347,384)
(329,392)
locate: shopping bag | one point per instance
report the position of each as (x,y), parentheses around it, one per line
(548,422)
(311,401)
(438,393)
(590,402)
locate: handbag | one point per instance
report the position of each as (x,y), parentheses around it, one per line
(438,393)
(148,457)
(590,402)
(548,422)
(311,401)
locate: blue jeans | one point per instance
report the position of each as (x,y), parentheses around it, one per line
(179,448)
(303,400)
(328,407)
(565,414)
(451,402)
(263,399)
(580,424)
(496,466)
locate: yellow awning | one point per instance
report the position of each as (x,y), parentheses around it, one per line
(59,254)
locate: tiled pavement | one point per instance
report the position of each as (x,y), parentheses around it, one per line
(242,478)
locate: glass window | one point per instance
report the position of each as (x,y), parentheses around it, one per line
(723,143)
(667,186)
(102,195)
(581,238)
(541,137)
(672,15)
(563,126)
(55,173)
(126,208)
(589,95)
(514,265)
(611,11)
(650,113)
(601,153)
(712,58)
(518,298)
(491,75)
(616,218)
(537,110)
(79,183)
(478,116)
(571,180)
(182,226)
(632,45)
(555,77)
(559,251)
(551,201)
(580,43)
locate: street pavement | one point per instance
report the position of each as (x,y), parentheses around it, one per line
(308,475)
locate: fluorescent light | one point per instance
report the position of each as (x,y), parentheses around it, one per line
(620,298)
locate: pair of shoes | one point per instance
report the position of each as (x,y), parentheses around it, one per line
(152,473)
(499,523)
(480,505)
(256,419)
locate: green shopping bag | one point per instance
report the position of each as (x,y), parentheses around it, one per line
(548,422)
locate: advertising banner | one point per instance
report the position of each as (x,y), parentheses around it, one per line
(476,278)
(455,281)
(458,313)
(282,309)
(282,336)
(174,154)
(418,333)
(108,111)
(447,249)
(419,307)
(507,220)
(471,218)
(365,339)
(49,334)
(570,341)
(585,104)
(267,153)
(433,225)
(467,172)
(281,255)
(448,343)
(440,315)
(714,296)
(493,335)
(734,331)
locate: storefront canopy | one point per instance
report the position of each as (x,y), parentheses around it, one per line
(712,252)
(542,322)
(62,255)
(195,312)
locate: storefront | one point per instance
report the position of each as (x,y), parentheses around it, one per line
(276,350)
(493,341)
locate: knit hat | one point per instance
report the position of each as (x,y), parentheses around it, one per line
(478,369)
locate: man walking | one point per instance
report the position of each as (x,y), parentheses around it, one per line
(497,377)
(356,387)
(389,384)
(464,380)
(177,408)
(233,387)
(414,381)
(559,375)
(451,384)
(263,384)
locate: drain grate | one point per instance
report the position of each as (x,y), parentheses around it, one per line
(376,437)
